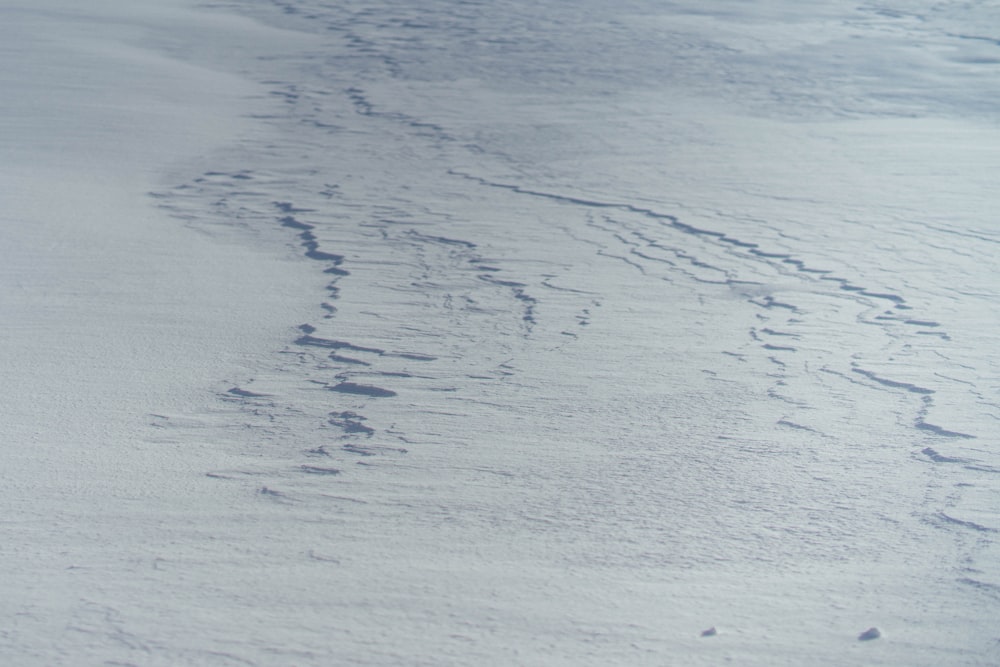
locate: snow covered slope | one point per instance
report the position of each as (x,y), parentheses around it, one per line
(457,333)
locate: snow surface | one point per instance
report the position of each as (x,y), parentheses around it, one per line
(510,333)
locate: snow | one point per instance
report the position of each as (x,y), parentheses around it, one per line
(464,333)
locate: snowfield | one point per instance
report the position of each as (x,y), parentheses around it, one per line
(512,333)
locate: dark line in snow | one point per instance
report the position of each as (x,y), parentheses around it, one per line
(937,430)
(362,390)
(933,455)
(892,383)
(968,524)
(335,344)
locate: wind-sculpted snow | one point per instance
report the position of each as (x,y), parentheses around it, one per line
(623,321)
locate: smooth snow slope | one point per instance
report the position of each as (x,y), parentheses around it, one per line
(540,333)
(111,311)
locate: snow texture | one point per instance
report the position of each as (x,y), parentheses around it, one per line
(500,333)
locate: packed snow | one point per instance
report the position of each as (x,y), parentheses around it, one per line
(508,333)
